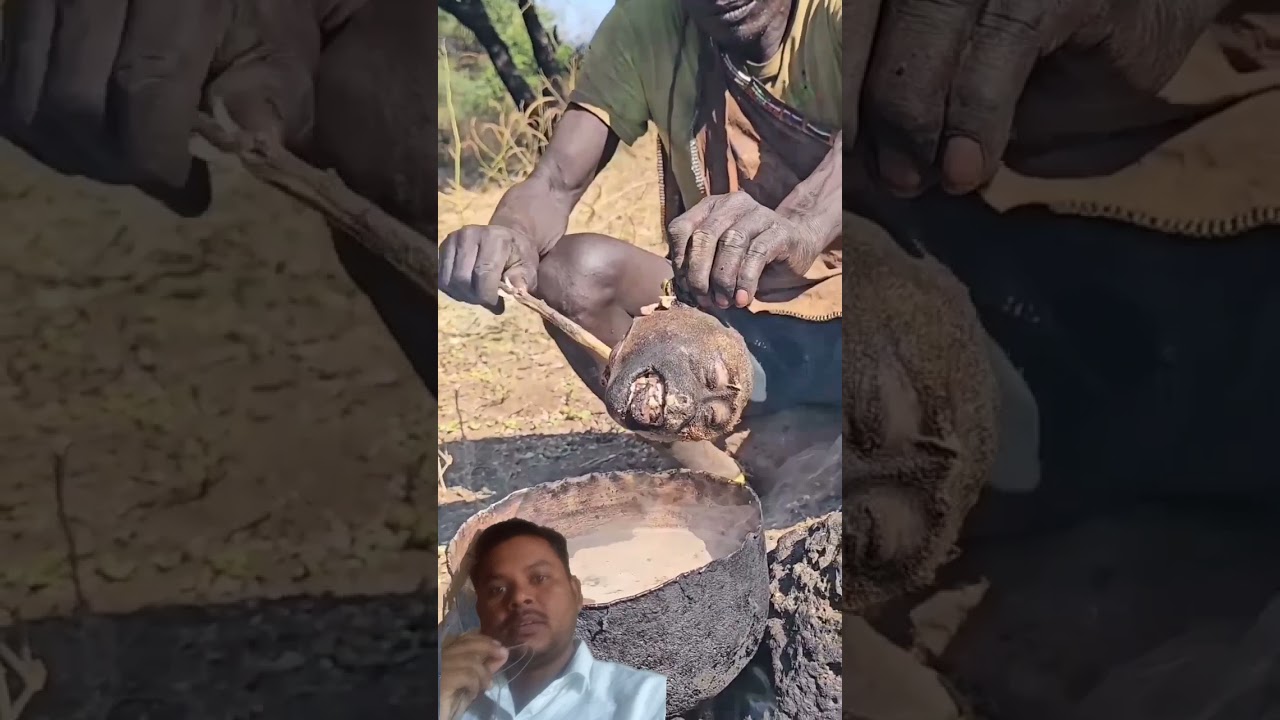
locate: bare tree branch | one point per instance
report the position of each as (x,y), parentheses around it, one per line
(474,17)
(544,45)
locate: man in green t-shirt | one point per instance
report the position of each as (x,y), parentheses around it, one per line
(756,242)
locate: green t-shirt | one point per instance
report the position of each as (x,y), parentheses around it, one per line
(626,77)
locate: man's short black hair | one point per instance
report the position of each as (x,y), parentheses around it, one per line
(500,532)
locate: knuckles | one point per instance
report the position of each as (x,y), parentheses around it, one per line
(734,239)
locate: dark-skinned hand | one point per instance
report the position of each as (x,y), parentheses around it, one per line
(109,89)
(722,245)
(475,259)
(946,76)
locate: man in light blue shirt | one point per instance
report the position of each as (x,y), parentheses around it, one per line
(526,663)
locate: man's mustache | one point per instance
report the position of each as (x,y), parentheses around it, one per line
(524,616)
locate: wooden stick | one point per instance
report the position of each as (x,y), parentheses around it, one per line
(266,159)
(405,248)
(576,332)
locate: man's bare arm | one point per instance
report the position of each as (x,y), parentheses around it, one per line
(539,206)
(816,201)
(531,217)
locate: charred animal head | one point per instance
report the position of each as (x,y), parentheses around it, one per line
(679,374)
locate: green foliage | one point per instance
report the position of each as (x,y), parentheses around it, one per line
(475,94)
(478,93)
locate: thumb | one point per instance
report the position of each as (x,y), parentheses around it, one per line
(522,268)
(266,67)
(497,659)
(522,276)
(267,94)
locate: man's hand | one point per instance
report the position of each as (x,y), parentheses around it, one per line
(475,259)
(530,218)
(467,666)
(724,243)
(946,76)
(109,89)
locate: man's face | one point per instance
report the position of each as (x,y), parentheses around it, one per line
(526,596)
(734,23)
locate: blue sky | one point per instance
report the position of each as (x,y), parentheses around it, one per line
(578,19)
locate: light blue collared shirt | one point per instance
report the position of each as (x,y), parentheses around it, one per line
(588,689)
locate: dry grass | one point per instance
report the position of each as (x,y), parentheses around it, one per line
(622,202)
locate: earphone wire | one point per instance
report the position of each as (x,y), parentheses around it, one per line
(527,659)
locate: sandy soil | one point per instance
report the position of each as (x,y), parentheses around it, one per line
(196,413)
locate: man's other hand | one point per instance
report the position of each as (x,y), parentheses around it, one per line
(722,245)
(109,89)
(947,77)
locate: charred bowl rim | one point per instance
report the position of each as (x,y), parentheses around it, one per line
(453,561)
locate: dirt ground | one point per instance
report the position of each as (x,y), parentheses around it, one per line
(205,430)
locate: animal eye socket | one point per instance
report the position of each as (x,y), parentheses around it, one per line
(717,376)
(712,413)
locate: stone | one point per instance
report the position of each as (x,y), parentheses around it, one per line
(803,633)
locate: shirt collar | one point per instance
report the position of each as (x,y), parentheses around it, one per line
(577,671)
(580,665)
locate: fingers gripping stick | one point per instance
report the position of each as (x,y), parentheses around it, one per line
(266,159)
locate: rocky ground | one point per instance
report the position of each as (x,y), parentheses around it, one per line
(211,450)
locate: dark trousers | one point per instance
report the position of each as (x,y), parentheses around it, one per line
(1155,359)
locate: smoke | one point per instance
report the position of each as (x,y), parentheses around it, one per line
(809,484)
